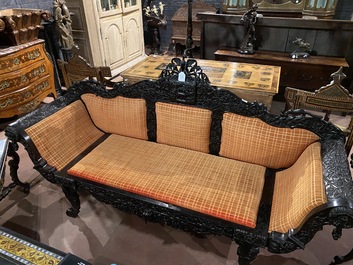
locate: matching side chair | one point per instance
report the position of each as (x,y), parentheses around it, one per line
(332,98)
(77,69)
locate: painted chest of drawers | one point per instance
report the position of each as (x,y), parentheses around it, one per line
(26,78)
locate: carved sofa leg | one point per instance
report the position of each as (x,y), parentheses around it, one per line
(71,194)
(14,165)
(247,253)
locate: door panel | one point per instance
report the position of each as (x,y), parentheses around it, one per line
(134,35)
(113,42)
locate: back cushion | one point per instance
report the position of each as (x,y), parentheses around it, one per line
(120,115)
(252,140)
(183,126)
(62,136)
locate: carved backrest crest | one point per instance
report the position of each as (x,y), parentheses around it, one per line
(330,98)
(188,67)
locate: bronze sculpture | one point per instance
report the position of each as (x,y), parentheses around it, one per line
(155,19)
(249,19)
(302,51)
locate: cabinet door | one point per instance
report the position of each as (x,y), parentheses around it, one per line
(133,35)
(113,41)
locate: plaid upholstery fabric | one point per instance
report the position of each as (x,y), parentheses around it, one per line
(183,126)
(60,137)
(212,185)
(120,115)
(298,190)
(252,140)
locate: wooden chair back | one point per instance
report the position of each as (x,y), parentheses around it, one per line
(77,69)
(330,98)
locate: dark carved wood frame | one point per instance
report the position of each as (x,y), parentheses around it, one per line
(197,91)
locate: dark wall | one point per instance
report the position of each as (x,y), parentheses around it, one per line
(36,4)
(169,9)
(344,11)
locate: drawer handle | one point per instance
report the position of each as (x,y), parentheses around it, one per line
(307,78)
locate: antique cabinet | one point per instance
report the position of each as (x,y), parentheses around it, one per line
(26,78)
(108,32)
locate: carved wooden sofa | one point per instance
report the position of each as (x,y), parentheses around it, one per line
(196,158)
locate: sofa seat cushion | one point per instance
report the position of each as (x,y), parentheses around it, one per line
(298,191)
(62,136)
(216,186)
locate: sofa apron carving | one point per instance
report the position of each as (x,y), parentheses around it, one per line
(194,157)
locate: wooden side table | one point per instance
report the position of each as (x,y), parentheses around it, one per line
(26,78)
(251,82)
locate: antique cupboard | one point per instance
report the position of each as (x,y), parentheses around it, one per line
(108,32)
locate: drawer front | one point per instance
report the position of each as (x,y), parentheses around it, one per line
(23,77)
(27,99)
(12,61)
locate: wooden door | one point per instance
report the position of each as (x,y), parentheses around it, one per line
(133,35)
(112,31)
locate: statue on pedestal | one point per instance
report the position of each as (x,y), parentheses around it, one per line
(302,51)
(155,19)
(63,24)
(249,19)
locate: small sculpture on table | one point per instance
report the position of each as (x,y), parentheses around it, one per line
(302,51)
(249,19)
(155,19)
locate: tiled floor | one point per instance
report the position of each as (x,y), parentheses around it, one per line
(104,235)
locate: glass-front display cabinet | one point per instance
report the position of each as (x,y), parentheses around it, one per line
(108,32)
(284,8)
(320,8)
(235,6)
